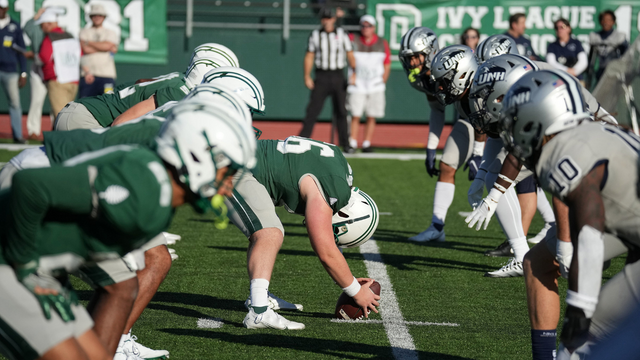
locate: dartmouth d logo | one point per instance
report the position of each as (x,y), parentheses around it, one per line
(491,75)
(453,59)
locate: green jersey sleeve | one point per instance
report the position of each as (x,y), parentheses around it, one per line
(168,94)
(282,164)
(63,145)
(109,201)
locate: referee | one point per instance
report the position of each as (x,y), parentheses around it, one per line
(328,48)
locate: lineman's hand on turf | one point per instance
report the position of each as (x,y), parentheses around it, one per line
(483,213)
(474,195)
(430,163)
(473,164)
(575,329)
(365,298)
(49,291)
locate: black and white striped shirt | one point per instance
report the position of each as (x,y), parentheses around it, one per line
(330,48)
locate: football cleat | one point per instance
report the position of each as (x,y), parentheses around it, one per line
(549,230)
(431,234)
(171,238)
(173,254)
(503,249)
(512,269)
(269,320)
(275,303)
(129,349)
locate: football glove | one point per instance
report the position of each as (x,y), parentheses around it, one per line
(473,164)
(484,212)
(575,329)
(430,163)
(474,195)
(49,291)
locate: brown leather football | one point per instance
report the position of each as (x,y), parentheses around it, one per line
(347,309)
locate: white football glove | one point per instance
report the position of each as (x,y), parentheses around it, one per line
(474,195)
(484,212)
(564,255)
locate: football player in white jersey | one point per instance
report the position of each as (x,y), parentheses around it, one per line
(450,76)
(593,169)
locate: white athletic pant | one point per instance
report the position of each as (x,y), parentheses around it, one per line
(38,94)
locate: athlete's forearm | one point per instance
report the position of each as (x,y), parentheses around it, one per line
(436,124)
(136,111)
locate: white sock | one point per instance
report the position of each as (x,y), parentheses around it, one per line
(353,143)
(259,289)
(366,144)
(545,208)
(442,199)
(509,215)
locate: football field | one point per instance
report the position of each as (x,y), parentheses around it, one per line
(439,305)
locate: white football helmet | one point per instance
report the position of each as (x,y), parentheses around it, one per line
(241,82)
(199,138)
(418,40)
(452,71)
(196,71)
(221,95)
(540,103)
(496,45)
(354,224)
(490,84)
(216,52)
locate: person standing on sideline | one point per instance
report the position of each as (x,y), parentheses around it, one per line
(328,49)
(98,45)
(36,82)
(60,55)
(516,31)
(566,53)
(606,45)
(10,56)
(366,95)
(470,37)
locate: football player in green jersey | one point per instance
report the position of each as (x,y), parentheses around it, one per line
(125,195)
(115,286)
(312,179)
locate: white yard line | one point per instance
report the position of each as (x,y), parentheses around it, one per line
(372,321)
(210,323)
(16,147)
(401,341)
(389,156)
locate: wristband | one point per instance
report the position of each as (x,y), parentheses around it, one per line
(23,75)
(478,148)
(503,177)
(495,194)
(352,289)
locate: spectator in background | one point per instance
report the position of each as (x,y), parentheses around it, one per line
(60,63)
(328,49)
(566,53)
(11,54)
(516,31)
(98,45)
(36,82)
(606,44)
(470,37)
(366,95)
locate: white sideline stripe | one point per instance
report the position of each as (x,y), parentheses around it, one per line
(372,321)
(16,147)
(210,323)
(390,156)
(401,341)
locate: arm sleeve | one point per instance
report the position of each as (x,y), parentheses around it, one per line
(35,192)
(387,58)
(311,47)
(347,42)
(582,63)
(551,59)
(167,94)
(492,148)
(112,37)
(436,124)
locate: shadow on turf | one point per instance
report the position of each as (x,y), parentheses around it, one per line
(319,346)
(401,262)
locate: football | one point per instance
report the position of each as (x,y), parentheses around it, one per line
(347,309)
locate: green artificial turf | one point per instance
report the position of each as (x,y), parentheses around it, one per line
(433,282)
